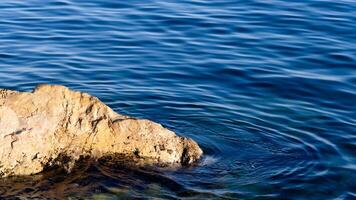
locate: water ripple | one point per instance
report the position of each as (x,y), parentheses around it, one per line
(267,88)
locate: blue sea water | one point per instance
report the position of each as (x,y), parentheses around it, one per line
(267,88)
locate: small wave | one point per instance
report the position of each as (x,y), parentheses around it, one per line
(208,160)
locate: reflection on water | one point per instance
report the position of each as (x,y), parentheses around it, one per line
(267,88)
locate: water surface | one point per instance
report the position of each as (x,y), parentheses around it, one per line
(267,88)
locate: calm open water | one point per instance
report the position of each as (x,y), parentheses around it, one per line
(267,88)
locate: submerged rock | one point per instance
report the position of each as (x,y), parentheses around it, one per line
(54,125)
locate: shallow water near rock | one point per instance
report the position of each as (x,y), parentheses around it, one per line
(267,88)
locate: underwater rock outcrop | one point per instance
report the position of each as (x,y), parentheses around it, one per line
(55,126)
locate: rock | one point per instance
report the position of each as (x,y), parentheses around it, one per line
(55,126)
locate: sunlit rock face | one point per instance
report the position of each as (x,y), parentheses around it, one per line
(55,126)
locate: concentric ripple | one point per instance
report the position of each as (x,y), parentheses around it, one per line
(267,88)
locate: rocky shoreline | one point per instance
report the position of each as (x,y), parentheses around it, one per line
(55,126)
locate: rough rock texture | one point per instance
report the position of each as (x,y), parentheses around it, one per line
(56,126)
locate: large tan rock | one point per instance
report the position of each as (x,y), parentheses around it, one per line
(56,126)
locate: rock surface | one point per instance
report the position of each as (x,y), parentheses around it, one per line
(54,125)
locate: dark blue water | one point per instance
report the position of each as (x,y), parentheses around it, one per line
(267,88)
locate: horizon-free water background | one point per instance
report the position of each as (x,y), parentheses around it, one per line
(267,88)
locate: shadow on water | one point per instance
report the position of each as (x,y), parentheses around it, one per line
(97,180)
